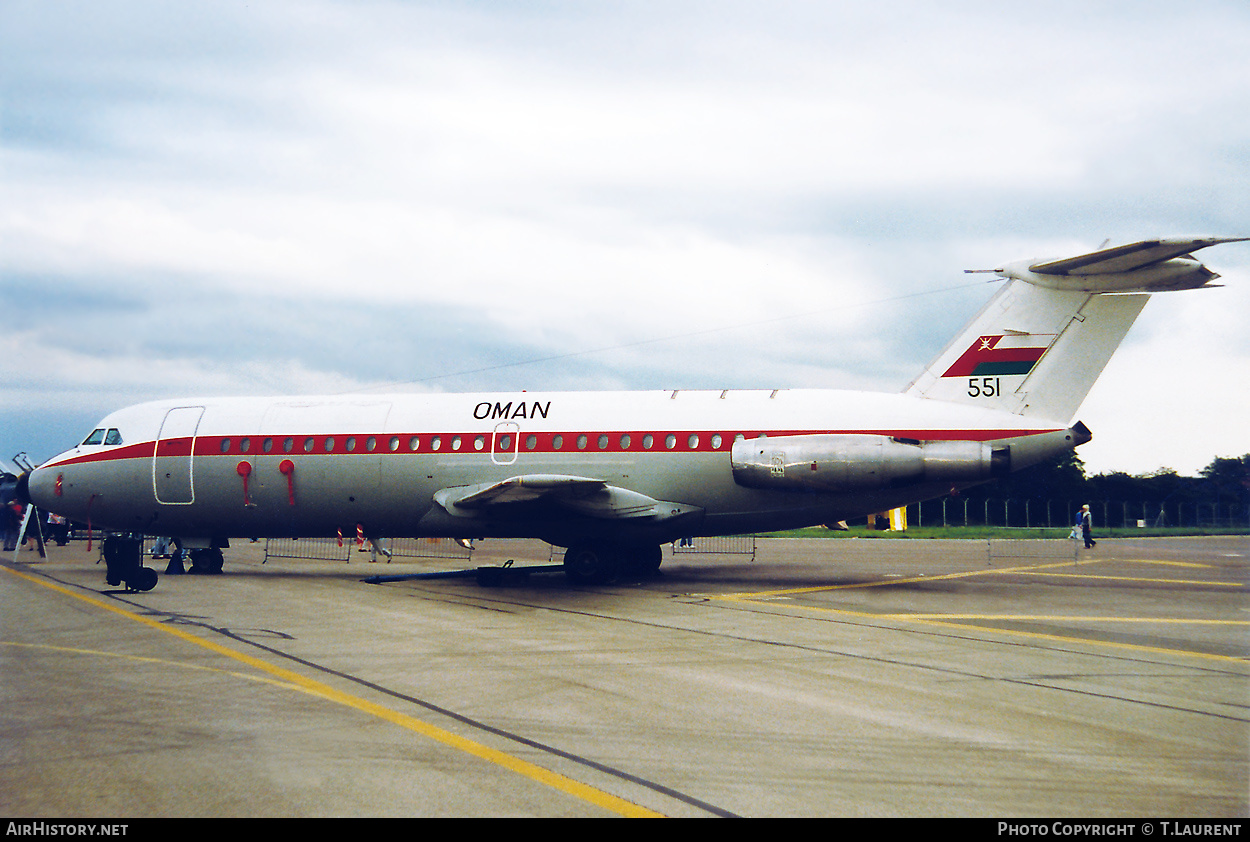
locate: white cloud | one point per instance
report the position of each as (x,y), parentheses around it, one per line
(549,180)
(1175,394)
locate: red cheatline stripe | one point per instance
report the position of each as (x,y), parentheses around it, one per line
(544,443)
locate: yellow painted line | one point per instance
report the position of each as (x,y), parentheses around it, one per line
(1061,618)
(885,583)
(943,620)
(316,688)
(1135,579)
(1165,563)
(143,659)
(1022,570)
(762,598)
(1135,647)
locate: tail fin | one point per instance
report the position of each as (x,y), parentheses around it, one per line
(1040,343)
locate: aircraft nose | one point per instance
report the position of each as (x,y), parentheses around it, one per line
(38,487)
(22,490)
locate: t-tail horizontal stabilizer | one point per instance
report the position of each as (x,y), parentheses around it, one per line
(1040,343)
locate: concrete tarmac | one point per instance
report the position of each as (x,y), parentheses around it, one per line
(821,678)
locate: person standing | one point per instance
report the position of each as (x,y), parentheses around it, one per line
(1087,524)
(12,516)
(58,529)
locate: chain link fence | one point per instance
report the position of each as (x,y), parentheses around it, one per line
(1055,513)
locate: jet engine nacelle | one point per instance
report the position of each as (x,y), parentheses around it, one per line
(860,462)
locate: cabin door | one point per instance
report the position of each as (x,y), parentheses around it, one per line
(505,442)
(173,469)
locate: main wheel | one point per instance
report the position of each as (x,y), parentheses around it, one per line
(642,560)
(206,561)
(591,564)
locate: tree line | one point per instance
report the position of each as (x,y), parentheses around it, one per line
(1049,494)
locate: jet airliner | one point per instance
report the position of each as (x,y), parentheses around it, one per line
(611,476)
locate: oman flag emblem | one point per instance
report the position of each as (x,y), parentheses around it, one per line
(1015,353)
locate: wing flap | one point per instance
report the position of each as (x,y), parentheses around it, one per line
(590,497)
(519,489)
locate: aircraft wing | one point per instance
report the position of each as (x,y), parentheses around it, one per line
(592,497)
(1127,258)
(518,490)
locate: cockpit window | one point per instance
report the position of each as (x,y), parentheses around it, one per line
(103,436)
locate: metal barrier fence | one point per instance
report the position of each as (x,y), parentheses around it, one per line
(717,545)
(320,549)
(1011,550)
(426,548)
(332,549)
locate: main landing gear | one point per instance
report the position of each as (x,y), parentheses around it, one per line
(595,563)
(206,561)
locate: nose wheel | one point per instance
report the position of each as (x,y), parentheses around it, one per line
(123,559)
(144,580)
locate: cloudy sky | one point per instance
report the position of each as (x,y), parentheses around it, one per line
(269,197)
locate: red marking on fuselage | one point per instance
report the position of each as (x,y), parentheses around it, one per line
(544,443)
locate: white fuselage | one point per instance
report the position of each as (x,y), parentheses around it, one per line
(305,466)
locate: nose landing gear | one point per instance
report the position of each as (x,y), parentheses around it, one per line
(123,556)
